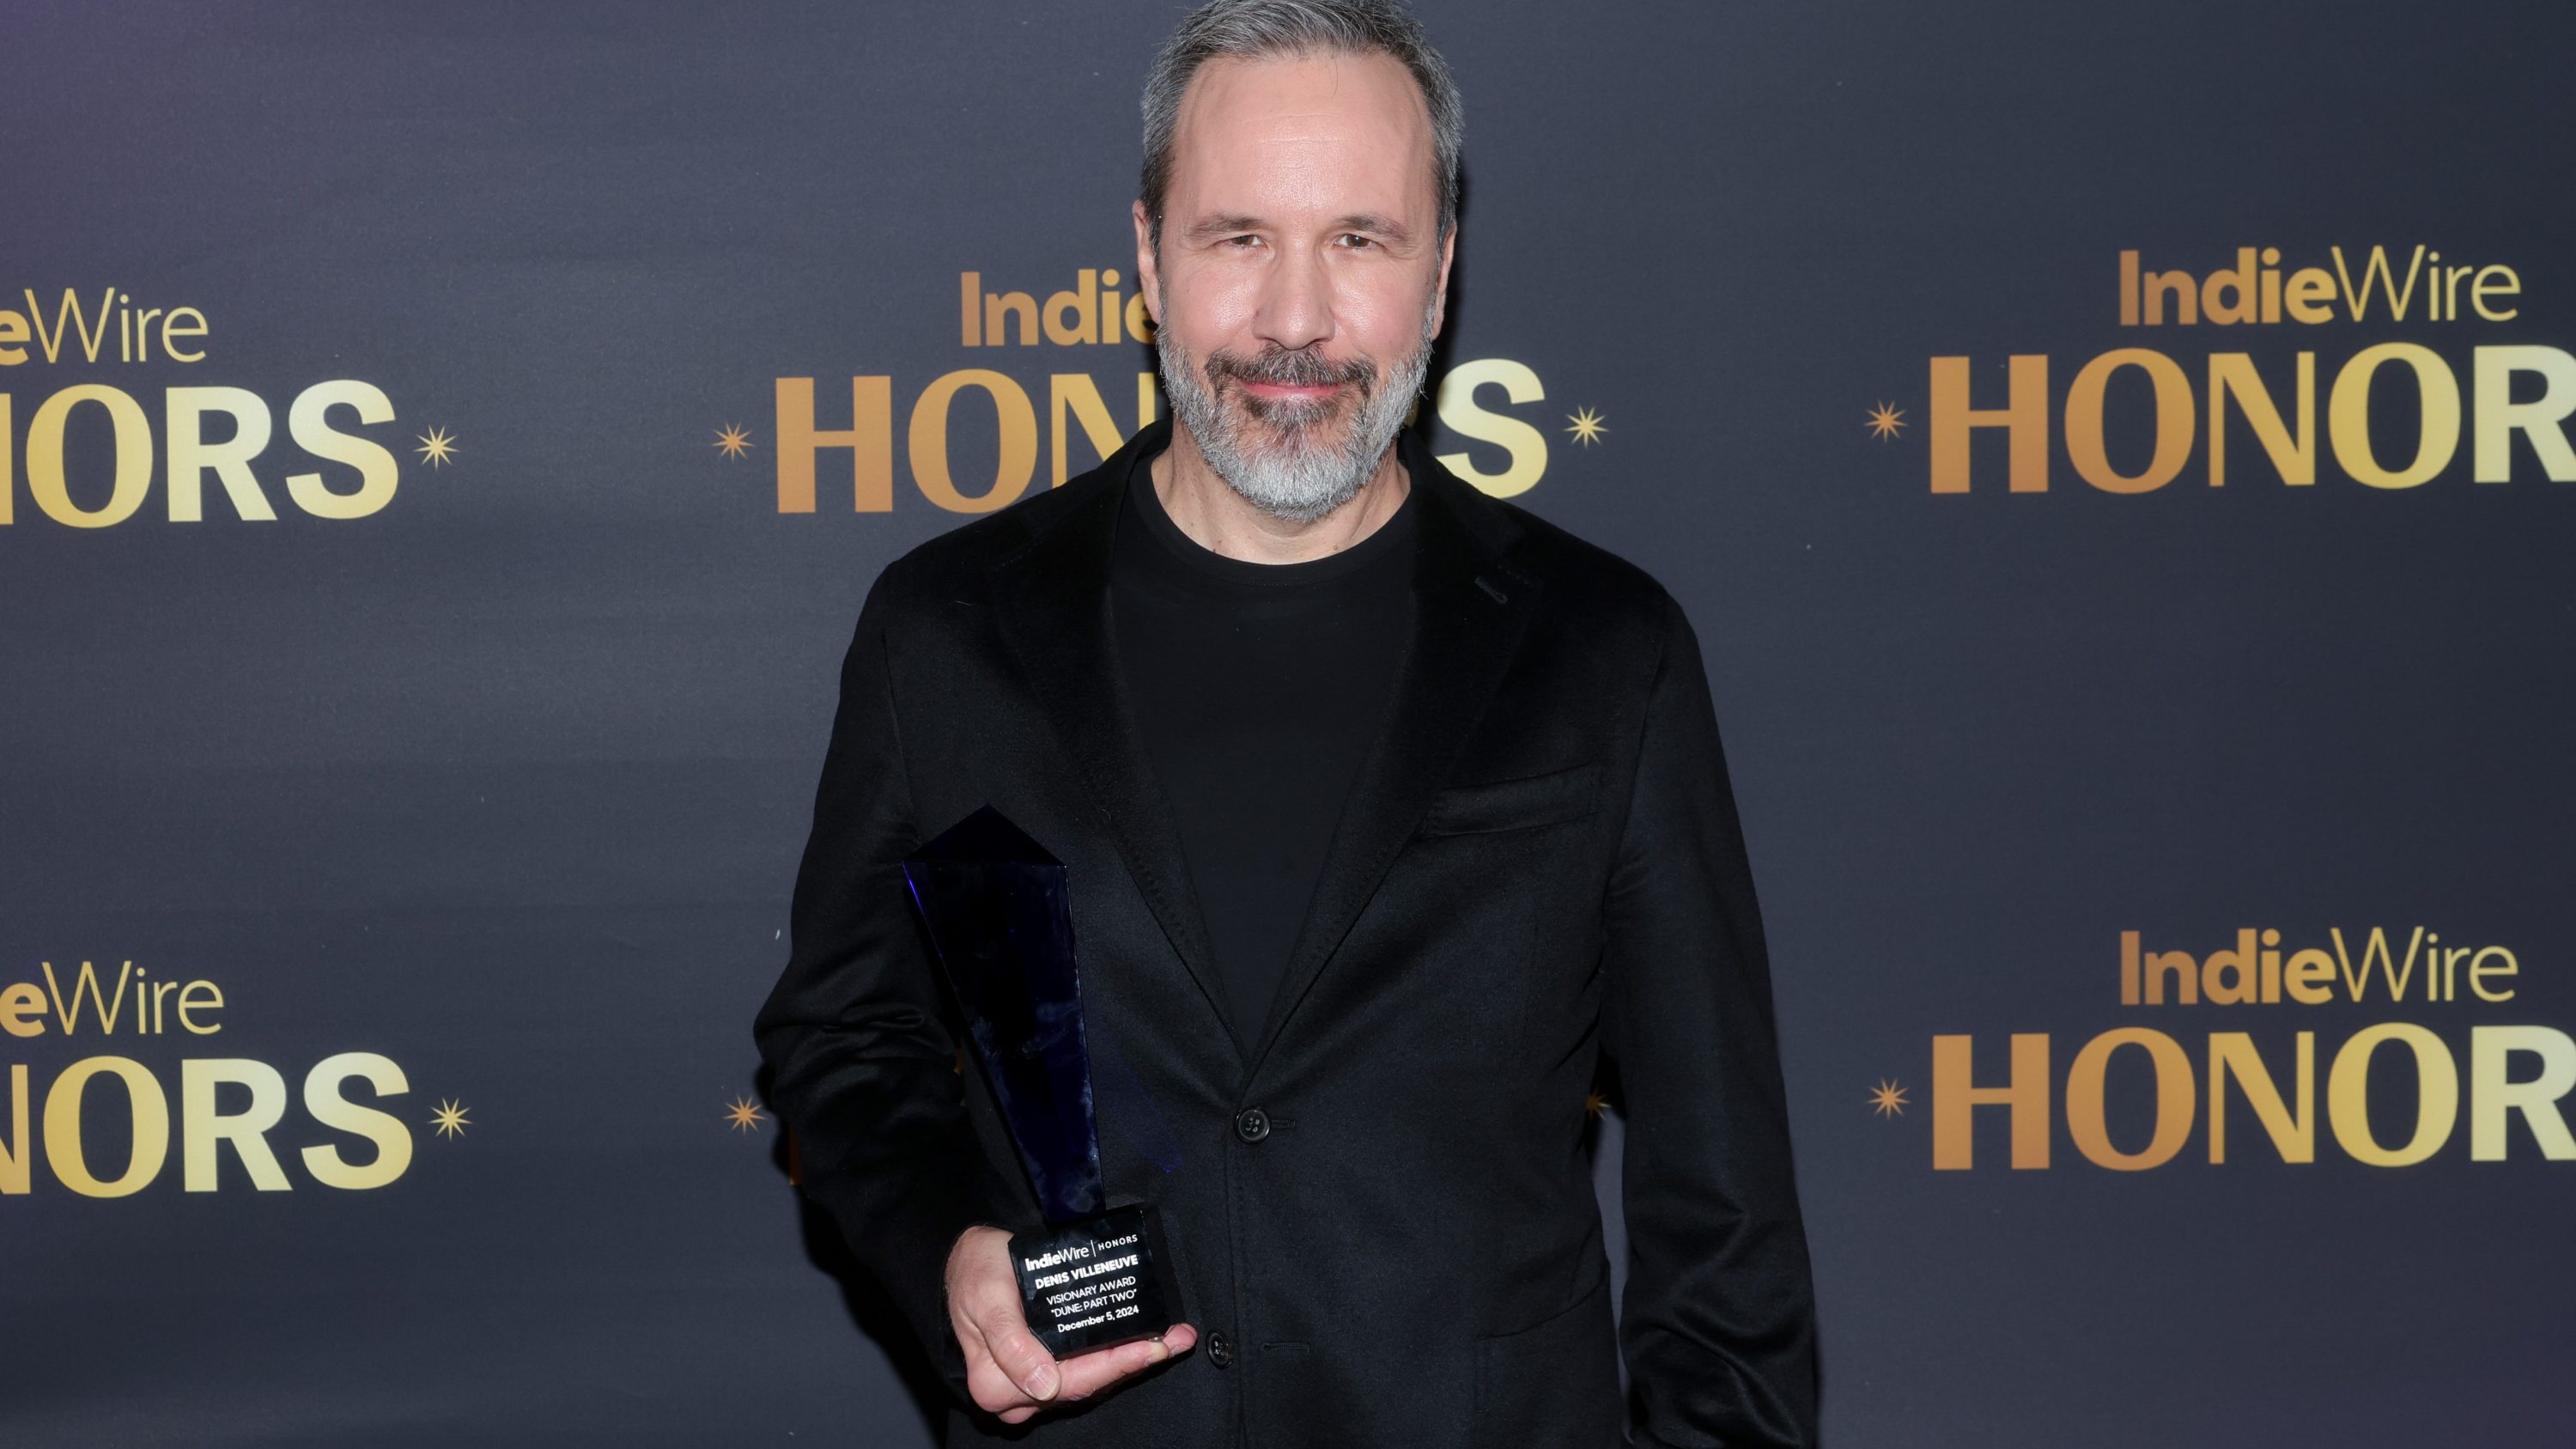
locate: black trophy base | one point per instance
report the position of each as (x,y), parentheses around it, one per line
(1103,1280)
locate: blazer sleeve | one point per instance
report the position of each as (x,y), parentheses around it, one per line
(1718,1321)
(862,1069)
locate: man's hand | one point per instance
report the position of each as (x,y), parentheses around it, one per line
(1009,1372)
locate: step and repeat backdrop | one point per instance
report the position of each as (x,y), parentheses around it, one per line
(2117,459)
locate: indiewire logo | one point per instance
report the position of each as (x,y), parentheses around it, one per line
(2512,409)
(1081,424)
(201,432)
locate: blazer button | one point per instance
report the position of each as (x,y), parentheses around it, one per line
(1252,1124)
(1220,1349)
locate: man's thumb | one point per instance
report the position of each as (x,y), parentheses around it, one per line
(1030,1366)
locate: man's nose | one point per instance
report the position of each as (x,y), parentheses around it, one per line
(1296,302)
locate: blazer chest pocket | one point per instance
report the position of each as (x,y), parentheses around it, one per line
(1517,804)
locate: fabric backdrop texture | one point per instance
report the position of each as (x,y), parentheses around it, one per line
(2114,461)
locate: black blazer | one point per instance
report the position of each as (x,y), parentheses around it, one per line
(1540,862)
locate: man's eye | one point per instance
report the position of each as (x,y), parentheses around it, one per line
(1354,240)
(1245,240)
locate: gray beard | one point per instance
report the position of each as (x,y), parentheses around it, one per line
(1277,464)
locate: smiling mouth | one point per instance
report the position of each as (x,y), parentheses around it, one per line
(1291,391)
(1286,391)
(1295,408)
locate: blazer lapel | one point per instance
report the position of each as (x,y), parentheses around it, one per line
(1472,606)
(1052,607)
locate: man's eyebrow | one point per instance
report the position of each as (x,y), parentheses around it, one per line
(1214,227)
(1370,221)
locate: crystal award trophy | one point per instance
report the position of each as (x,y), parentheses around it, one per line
(1000,920)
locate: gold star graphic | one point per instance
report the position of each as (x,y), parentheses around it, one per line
(1587,428)
(1888,1100)
(451,1120)
(732,441)
(1594,1104)
(436,447)
(1886,421)
(745,1114)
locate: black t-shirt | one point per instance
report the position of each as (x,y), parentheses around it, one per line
(1258,689)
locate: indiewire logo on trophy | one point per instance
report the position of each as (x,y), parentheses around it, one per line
(1012,336)
(107,1124)
(2397,1091)
(2398,414)
(199,433)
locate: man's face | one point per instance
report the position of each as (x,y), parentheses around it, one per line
(1299,280)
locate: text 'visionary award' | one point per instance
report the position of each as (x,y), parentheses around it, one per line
(1000,917)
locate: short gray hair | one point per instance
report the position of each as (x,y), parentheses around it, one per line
(1250,29)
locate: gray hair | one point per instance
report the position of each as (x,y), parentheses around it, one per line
(1250,29)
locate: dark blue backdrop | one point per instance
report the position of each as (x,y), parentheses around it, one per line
(501,783)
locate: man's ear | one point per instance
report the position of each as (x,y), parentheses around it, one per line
(1440,288)
(1149,272)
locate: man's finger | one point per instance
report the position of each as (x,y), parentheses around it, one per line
(1086,1374)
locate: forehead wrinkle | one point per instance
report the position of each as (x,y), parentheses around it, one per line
(1289,185)
(1313,122)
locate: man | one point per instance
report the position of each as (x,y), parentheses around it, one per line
(1387,807)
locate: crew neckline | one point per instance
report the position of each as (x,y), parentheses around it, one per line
(1147,504)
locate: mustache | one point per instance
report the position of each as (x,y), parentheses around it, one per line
(1282,367)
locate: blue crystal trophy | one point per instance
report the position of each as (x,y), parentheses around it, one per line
(1000,918)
